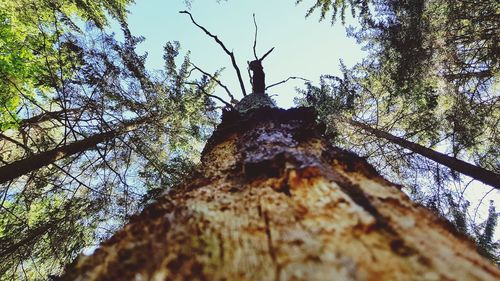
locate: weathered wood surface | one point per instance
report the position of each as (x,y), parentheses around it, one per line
(272,201)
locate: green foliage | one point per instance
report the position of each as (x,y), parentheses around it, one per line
(17,63)
(338,8)
(485,238)
(36,228)
(35,36)
(410,84)
(457,211)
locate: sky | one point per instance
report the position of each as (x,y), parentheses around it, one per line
(303,47)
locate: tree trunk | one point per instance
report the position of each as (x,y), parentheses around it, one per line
(46,116)
(475,172)
(33,235)
(37,161)
(273,201)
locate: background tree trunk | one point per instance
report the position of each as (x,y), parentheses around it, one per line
(37,161)
(475,172)
(273,201)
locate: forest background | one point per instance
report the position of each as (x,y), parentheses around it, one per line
(123,127)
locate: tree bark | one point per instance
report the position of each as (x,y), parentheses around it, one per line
(273,201)
(475,172)
(34,162)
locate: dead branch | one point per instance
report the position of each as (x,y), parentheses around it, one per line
(210,95)
(286,80)
(229,53)
(255,42)
(255,38)
(268,52)
(215,79)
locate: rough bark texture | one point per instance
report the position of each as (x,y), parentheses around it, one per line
(273,201)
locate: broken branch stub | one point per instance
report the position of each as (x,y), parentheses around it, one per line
(259,77)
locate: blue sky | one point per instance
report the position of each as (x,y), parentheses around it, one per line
(303,47)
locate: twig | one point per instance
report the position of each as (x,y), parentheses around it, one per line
(480,202)
(255,38)
(210,95)
(268,52)
(215,79)
(230,54)
(76,179)
(286,80)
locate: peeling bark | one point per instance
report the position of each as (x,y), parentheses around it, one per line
(273,201)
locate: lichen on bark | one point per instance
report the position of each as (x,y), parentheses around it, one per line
(253,102)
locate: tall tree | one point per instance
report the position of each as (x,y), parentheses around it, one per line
(86,80)
(266,203)
(272,200)
(433,64)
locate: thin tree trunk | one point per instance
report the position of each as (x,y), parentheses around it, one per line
(28,241)
(273,201)
(24,166)
(48,116)
(475,172)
